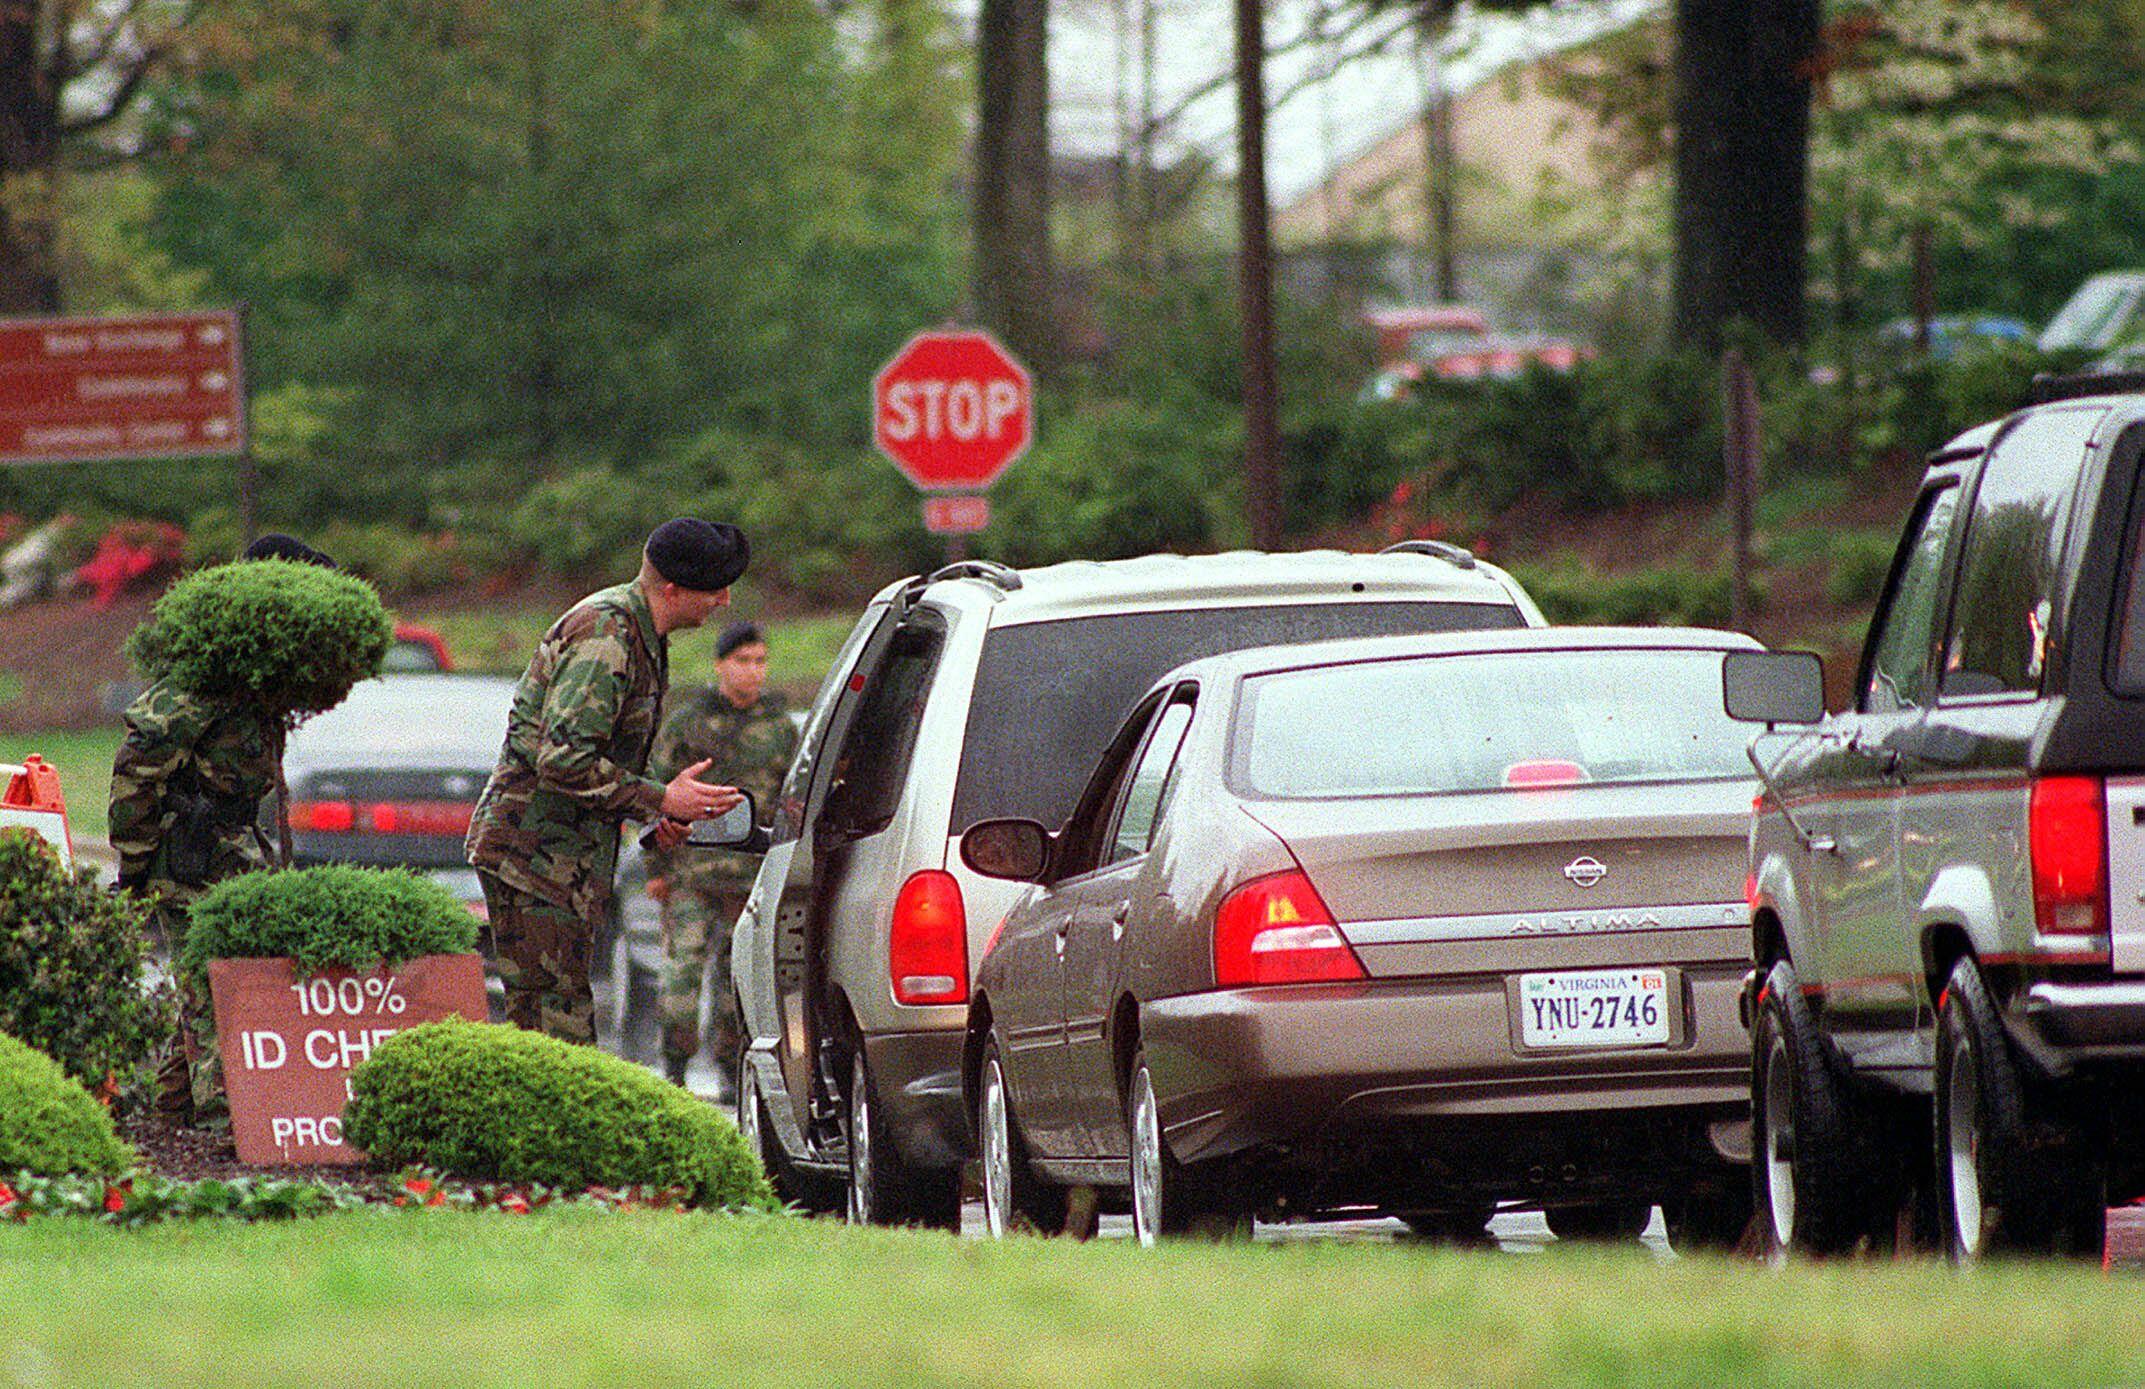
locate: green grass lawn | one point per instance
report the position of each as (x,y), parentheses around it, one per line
(584,1298)
(84,757)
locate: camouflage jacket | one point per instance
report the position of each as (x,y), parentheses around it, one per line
(751,750)
(194,768)
(576,754)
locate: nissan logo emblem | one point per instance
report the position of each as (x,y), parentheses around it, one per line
(1585,870)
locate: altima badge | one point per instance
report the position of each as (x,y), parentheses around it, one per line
(1585,870)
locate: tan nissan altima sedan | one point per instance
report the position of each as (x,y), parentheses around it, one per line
(1426,926)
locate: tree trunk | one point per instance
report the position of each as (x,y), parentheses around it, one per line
(1014,284)
(1262,445)
(29,149)
(1742,111)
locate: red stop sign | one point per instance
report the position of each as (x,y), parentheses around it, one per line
(952,409)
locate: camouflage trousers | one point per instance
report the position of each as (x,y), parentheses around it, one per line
(697,922)
(541,951)
(189,1078)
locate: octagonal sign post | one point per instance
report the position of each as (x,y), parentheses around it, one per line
(952,409)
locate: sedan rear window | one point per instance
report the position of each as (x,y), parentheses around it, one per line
(1049,695)
(1504,721)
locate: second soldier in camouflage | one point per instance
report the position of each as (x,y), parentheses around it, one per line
(747,737)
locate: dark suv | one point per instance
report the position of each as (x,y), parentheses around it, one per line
(1948,880)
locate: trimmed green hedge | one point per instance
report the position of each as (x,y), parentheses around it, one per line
(71,959)
(293,637)
(49,1124)
(495,1103)
(324,917)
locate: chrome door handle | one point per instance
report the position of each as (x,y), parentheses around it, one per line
(1058,938)
(1117,922)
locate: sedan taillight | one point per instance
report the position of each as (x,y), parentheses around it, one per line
(325,817)
(1276,930)
(2067,827)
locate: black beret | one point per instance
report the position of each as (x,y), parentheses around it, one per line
(735,635)
(276,545)
(700,555)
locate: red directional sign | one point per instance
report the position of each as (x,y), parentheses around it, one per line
(155,386)
(952,409)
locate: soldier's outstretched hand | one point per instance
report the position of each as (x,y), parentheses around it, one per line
(688,798)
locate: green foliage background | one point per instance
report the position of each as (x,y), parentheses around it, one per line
(496,1103)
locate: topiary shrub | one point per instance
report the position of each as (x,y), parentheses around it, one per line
(334,915)
(71,960)
(288,636)
(495,1103)
(49,1125)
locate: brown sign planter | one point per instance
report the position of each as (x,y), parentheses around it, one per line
(289,1042)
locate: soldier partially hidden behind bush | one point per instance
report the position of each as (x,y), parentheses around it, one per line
(748,735)
(544,839)
(237,655)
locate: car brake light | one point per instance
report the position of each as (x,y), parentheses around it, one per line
(1544,771)
(2067,828)
(1276,930)
(927,947)
(326,817)
(419,817)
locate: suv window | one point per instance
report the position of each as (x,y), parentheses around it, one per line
(1049,696)
(1143,796)
(876,751)
(1898,667)
(2014,542)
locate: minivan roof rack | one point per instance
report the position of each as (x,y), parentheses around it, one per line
(1435,549)
(2048,386)
(1005,580)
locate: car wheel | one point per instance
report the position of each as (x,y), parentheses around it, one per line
(2008,1180)
(1810,1170)
(882,1189)
(811,1193)
(1712,1220)
(1014,1197)
(1167,1199)
(1617,1221)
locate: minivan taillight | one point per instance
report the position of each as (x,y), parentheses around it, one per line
(1276,930)
(2067,827)
(927,948)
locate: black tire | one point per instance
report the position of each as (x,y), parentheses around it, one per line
(1710,1220)
(2012,1176)
(1813,1176)
(1170,1200)
(882,1189)
(1608,1221)
(808,1191)
(1016,1197)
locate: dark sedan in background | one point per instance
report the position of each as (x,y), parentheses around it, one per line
(1417,925)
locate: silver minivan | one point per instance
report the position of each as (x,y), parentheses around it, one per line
(979,693)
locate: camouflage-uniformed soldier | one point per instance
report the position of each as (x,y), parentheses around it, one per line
(544,837)
(748,736)
(187,786)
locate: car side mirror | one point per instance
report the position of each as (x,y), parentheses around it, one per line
(735,828)
(1773,687)
(1016,849)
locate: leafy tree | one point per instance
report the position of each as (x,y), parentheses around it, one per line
(547,235)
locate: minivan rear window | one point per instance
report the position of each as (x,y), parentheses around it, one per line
(1049,695)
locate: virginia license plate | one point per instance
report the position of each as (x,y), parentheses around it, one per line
(1600,1008)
